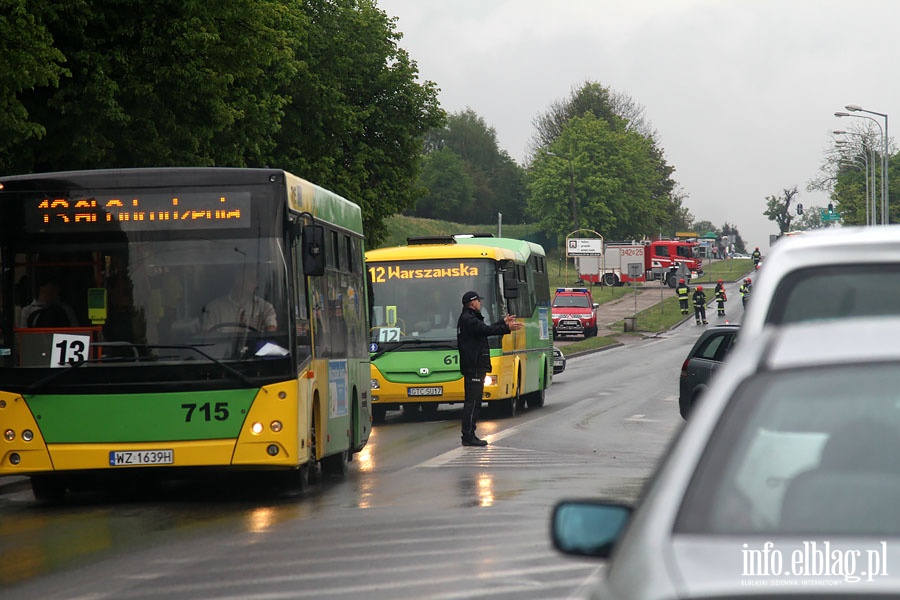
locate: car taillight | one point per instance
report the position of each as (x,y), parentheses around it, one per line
(684,367)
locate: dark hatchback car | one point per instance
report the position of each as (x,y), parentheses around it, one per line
(702,361)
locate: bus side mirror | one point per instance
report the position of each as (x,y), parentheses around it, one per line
(313,250)
(510,284)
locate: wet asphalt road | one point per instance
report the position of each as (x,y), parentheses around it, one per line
(417,516)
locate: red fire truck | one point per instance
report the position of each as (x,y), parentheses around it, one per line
(665,261)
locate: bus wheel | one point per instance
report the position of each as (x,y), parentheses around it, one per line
(429,409)
(294,481)
(509,406)
(610,280)
(378,413)
(536,399)
(336,464)
(47,488)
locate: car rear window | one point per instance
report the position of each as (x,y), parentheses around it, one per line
(835,292)
(716,346)
(802,452)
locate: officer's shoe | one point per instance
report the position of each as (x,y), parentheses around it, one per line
(473,441)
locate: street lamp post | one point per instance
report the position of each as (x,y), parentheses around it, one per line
(870,202)
(884,201)
(863,165)
(886,190)
(573,205)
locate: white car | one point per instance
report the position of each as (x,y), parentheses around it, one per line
(785,480)
(826,275)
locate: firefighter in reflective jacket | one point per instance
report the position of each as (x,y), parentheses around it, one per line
(682,291)
(745,291)
(756,256)
(700,305)
(721,298)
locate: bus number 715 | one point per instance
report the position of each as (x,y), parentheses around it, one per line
(219,412)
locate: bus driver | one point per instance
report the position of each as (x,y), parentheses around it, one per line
(240,308)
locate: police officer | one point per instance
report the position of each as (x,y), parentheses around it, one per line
(475,359)
(745,291)
(721,297)
(699,298)
(682,291)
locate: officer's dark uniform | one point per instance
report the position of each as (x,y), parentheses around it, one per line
(700,305)
(474,362)
(682,291)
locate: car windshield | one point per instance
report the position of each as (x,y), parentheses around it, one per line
(836,292)
(572,301)
(803,452)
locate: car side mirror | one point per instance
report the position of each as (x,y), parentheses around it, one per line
(588,528)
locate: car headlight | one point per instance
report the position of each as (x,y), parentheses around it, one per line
(376,385)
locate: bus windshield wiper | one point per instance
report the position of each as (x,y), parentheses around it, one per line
(37,385)
(416,341)
(243,378)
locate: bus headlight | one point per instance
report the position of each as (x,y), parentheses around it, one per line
(376,385)
(490,379)
(275,426)
(9,435)
(27,435)
(256,428)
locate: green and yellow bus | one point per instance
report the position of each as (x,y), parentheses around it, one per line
(416,295)
(213,318)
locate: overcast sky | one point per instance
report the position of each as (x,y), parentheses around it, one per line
(742,93)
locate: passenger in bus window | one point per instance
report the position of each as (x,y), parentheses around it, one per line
(240,308)
(47,309)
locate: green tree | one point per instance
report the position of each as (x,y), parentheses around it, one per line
(28,60)
(449,186)
(163,83)
(318,87)
(611,172)
(703,227)
(498,182)
(810,219)
(357,113)
(778,209)
(663,208)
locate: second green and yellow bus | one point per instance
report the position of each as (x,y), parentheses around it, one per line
(416,299)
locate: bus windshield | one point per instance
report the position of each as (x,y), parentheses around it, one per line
(421,299)
(142,283)
(165,300)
